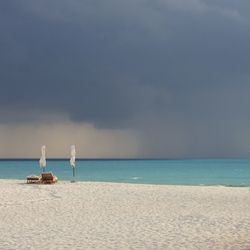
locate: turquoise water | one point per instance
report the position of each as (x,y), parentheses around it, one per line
(185,172)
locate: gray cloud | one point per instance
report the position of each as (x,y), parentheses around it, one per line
(175,70)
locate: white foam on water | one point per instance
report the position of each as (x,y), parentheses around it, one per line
(136,178)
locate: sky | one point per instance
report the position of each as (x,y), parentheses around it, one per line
(125,79)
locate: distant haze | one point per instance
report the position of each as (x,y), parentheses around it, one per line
(134,78)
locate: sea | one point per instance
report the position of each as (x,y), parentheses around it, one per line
(225,172)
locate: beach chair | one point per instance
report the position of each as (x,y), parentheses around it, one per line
(33,179)
(48,178)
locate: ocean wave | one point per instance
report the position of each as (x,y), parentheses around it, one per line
(136,178)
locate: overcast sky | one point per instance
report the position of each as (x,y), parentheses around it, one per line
(134,78)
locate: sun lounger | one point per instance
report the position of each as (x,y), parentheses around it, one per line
(33,179)
(48,178)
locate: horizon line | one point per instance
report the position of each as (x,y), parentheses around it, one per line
(122,159)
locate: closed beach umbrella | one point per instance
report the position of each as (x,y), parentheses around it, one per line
(73,159)
(42,161)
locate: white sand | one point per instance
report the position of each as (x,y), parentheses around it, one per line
(123,216)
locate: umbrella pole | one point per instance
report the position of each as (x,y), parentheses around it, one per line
(74,173)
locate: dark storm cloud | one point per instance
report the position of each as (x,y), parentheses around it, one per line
(130,63)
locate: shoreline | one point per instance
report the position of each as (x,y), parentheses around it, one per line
(134,183)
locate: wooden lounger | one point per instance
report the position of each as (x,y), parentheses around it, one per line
(33,179)
(48,178)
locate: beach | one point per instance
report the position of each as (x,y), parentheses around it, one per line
(94,215)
